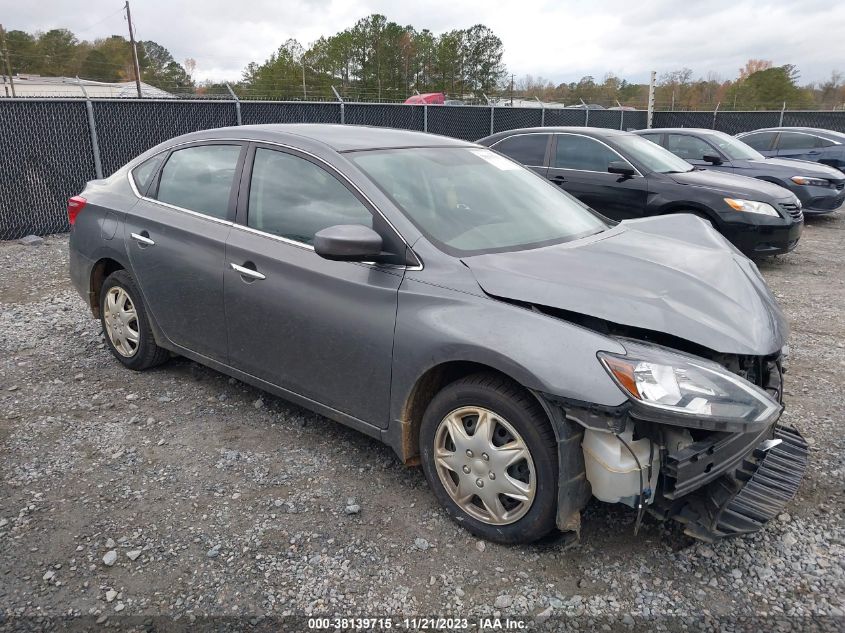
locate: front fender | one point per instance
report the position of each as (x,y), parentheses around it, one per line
(435,325)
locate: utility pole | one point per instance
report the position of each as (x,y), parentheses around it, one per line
(6,58)
(134,49)
(512,89)
(304,93)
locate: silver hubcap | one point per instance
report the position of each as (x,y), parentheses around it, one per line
(121,322)
(484,465)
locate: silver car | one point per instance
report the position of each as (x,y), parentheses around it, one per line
(433,294)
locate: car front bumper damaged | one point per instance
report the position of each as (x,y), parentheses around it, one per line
(744,499)
(717,484)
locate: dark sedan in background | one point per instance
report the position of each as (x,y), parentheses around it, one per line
(623,176)
(821,189)
(804,143)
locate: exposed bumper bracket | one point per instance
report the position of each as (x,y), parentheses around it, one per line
(746,499)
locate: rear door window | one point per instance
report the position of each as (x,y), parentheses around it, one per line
(761,141)
(654,138)
(528,149)
(200,179)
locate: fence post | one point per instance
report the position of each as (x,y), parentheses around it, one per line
(492,112)
(237,103)
(339,98)
(92,130)
(715,112)
(650,115)
(425,117)
(542,112)
(780,122)
(586,113)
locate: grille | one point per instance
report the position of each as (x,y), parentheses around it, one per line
(794,210)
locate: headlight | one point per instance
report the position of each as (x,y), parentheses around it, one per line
(750,206)
(687,386)
(816,182)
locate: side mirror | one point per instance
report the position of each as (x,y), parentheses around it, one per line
(348,243)
(621,167)
(712,159)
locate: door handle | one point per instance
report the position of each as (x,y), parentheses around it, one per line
(247,272)
(558,180)
(142,239)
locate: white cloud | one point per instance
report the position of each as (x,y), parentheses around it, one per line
(560,40)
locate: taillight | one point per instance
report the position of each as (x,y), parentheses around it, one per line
(74,206)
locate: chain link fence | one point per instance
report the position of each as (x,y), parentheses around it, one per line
(52,147)
(45,156)
(255,112)
(128,128)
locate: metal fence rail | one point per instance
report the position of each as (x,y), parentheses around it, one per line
(49,148)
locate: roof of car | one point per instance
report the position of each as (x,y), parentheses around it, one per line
(808,130)
(586,131)
(679,130)
(341,138)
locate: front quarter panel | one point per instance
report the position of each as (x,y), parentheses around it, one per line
(436,325)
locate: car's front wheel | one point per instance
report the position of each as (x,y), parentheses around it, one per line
(488,452)
(125,323)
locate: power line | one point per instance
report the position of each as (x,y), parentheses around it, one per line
(98,22)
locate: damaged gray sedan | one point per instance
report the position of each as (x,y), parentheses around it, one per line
(431,293)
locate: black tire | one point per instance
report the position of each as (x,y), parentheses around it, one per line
(148,353)
(513,403)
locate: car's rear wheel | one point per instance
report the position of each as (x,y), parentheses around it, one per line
(125,323)
(488,452)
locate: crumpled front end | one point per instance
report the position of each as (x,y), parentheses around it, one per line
(718,479)
(743,499)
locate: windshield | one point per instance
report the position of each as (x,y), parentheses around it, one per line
(733,148)
(650,155)
(471,200)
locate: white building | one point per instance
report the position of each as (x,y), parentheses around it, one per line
(58,87)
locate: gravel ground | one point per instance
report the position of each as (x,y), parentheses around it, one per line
(182,493)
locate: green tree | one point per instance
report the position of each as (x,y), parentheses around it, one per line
(23,51)
(56,51)
(483,59)
(158,68)
(99,67)
(770,88)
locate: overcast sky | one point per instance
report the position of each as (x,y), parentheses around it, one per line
(561,40)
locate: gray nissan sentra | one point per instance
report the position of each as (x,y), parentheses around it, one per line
(431,293)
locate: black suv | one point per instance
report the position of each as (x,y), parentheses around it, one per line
(820,188)
(625,176)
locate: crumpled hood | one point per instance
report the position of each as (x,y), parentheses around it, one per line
(733,185)
(672,274)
